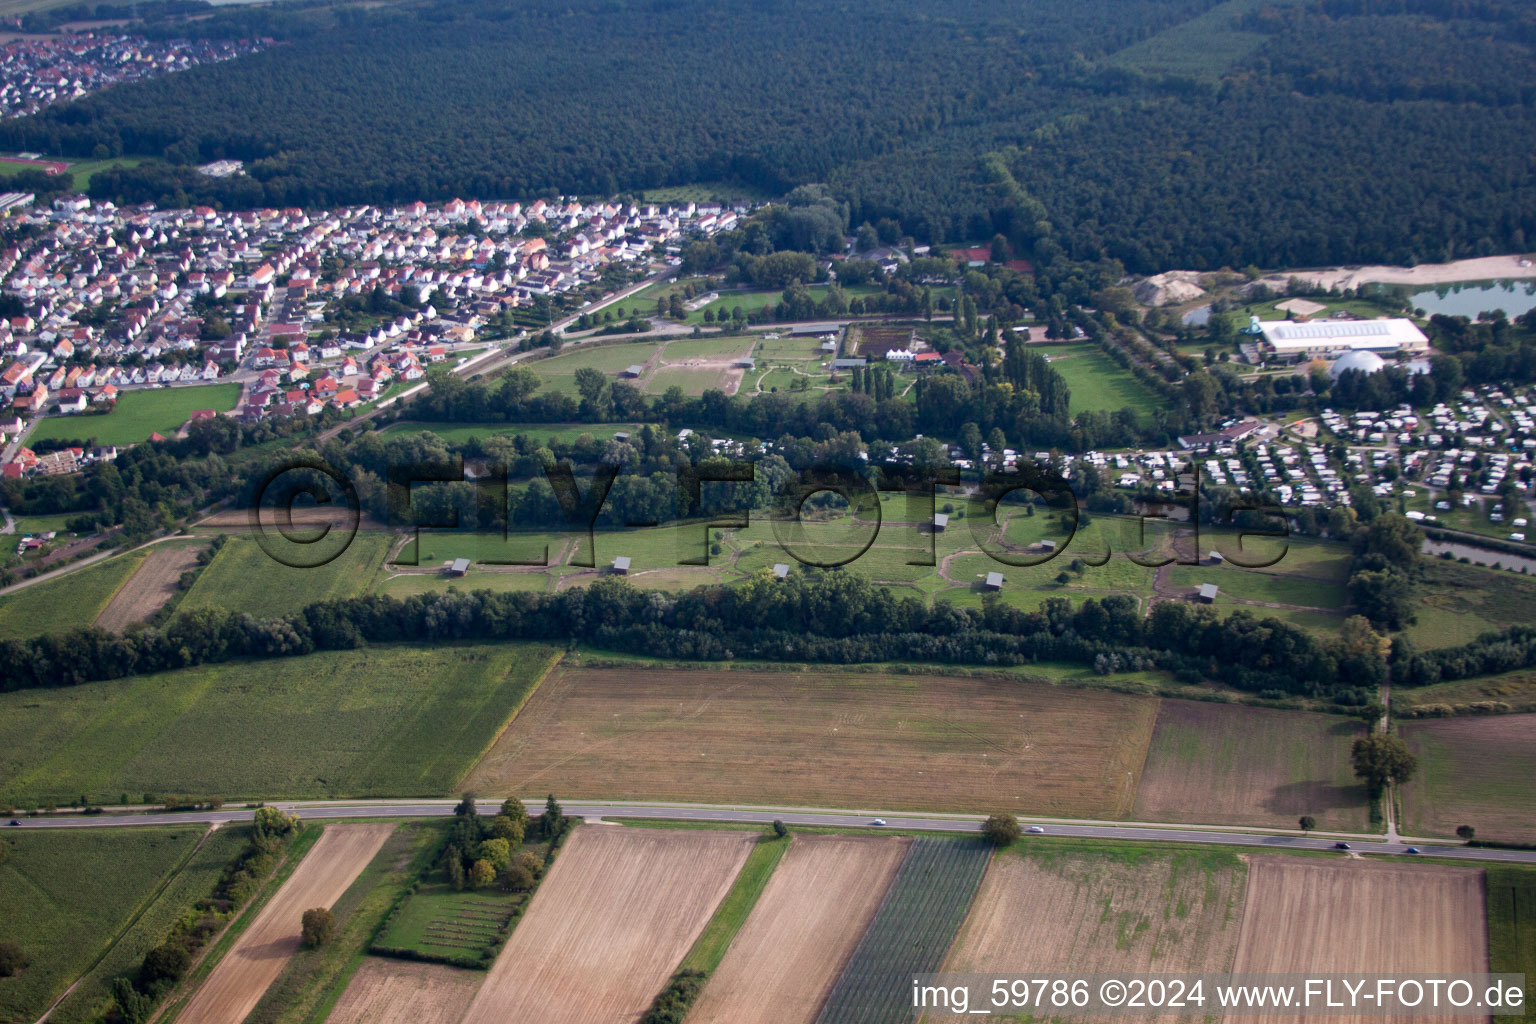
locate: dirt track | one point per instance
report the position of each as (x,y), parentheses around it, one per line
(806,923)
(1342,916)
(618,912)
(398,992)
(150,586)
(237,983)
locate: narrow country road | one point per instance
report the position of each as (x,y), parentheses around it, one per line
(812,817)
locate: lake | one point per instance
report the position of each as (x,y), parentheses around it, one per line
(1469,298)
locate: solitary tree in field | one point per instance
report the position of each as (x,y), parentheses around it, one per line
(1382,758)
(1307,823)
(1002,829)
(1466,832)
(12,959)
(317,927)
(779,828)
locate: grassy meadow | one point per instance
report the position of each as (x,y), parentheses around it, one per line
(382,721)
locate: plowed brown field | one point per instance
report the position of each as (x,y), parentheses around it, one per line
(1090,910)
(150,586)
(236,984)
(606,929)
(798,937)
(1345,916)
(399,992)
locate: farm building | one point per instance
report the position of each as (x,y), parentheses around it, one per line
(460,567)
(630,372)
(849,364)
(1207,593)
(940,522)
(994,581)
(1215,558)
(621,565)
(1331,337)
(780,569)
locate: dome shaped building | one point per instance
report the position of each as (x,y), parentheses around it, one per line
(1365,362)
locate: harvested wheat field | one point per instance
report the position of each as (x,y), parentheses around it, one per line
(400,992)
(1351,915)
(151,585)
(798,937)
(606,929)
(258,956)
(825,738)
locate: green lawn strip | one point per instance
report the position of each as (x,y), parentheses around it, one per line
(314,979)
(1512,929)
(195,880)
(71,601)
(244,578)
(308,836)
(68,894)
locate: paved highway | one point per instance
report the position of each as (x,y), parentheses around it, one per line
(1363,844)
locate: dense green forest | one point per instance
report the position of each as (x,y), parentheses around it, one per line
(1395,130)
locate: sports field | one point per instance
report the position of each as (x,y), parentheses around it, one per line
(1473,771)
(138,414)
(1251,766)
(609,925)
(802,931)
(1347,915)
(72,601)
(824,739)
(380,721)
(1098,383)
(244,578)
(236,984)
(68,893)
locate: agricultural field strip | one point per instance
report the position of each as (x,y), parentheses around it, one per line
(235,985)
(802,931)
(910,933)
(1345,916)
(619,910)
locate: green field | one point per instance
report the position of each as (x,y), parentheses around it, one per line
(193,882)
(67,894)
(1202,47)
(709,948)
(559,372)
(1458,602)
(1251,766)
(1472,771)
(70,602)
(383,721)
(1098,383)
(1512,929)
(139,414)
(910,933)
(243,578)
(1261,587)
(80,171)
